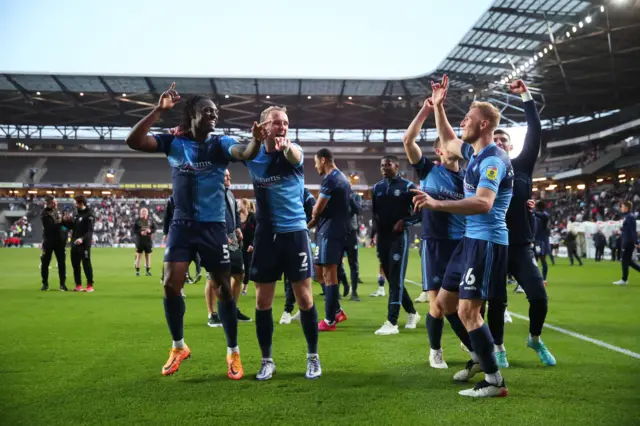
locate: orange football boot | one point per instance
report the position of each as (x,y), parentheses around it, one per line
(235,372)
(176,356)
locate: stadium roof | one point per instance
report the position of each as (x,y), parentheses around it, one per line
(579,58)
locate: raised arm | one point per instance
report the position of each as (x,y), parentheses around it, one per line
(414,154)
(531,146)
(292,152)
(445,131)
(249,151)
(139,138)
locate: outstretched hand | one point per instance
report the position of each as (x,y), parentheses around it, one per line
(282,144)
(422,200)
(428,104)
(440,90)
(169,98)
(261,131)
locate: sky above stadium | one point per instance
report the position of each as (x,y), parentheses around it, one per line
(240,38)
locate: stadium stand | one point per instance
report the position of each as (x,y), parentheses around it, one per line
(145,170)
(11,167)
(73,170)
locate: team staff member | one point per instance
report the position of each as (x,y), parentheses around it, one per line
(53,242)
(143,229)
(81,239)
(392,212)
(629,242)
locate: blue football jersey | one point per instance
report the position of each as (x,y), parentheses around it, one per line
(279,189)
(491,169)
(197,175)
(441,184)
(334,220)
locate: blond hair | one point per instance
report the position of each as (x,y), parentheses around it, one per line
(489,112)
(265,114)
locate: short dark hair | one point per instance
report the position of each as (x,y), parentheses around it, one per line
(391,158)
(326,154)
(501,132)
(540,205)
(49,198)
(81,199)
(437,143)
(628,204)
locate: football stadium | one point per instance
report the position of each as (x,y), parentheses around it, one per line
(467,237)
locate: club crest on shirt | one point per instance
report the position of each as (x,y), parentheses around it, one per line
(396,192)
(492,173)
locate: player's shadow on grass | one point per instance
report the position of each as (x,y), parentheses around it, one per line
(383,380)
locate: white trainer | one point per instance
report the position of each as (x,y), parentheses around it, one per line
(436,360)
(621,282)
(519,289)
(412,320)
(507,318)
(470,370)
(379,292)
(485,389)
(314,370)
(285,318)
(387,329)
(267,370)
(423,298)
(296,316)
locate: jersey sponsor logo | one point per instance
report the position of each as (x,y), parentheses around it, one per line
(195,167)
(492,173)
(266,182)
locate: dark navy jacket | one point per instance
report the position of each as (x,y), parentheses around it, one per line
(392,201)
(520,222)
(629,232)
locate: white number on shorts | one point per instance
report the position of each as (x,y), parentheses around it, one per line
(317,251)
(225,252)
(469,278)
(304,264)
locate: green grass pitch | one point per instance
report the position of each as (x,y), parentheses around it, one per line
(76,359)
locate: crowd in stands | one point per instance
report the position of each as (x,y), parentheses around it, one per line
(16,234)
(115,218)
(594,206)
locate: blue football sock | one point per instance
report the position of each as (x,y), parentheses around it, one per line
(434,330)
(228,313)
(309,321)
(264,331)
(174,309)
(331,304)
(483,347)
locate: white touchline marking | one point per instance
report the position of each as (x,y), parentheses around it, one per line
(570,333)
